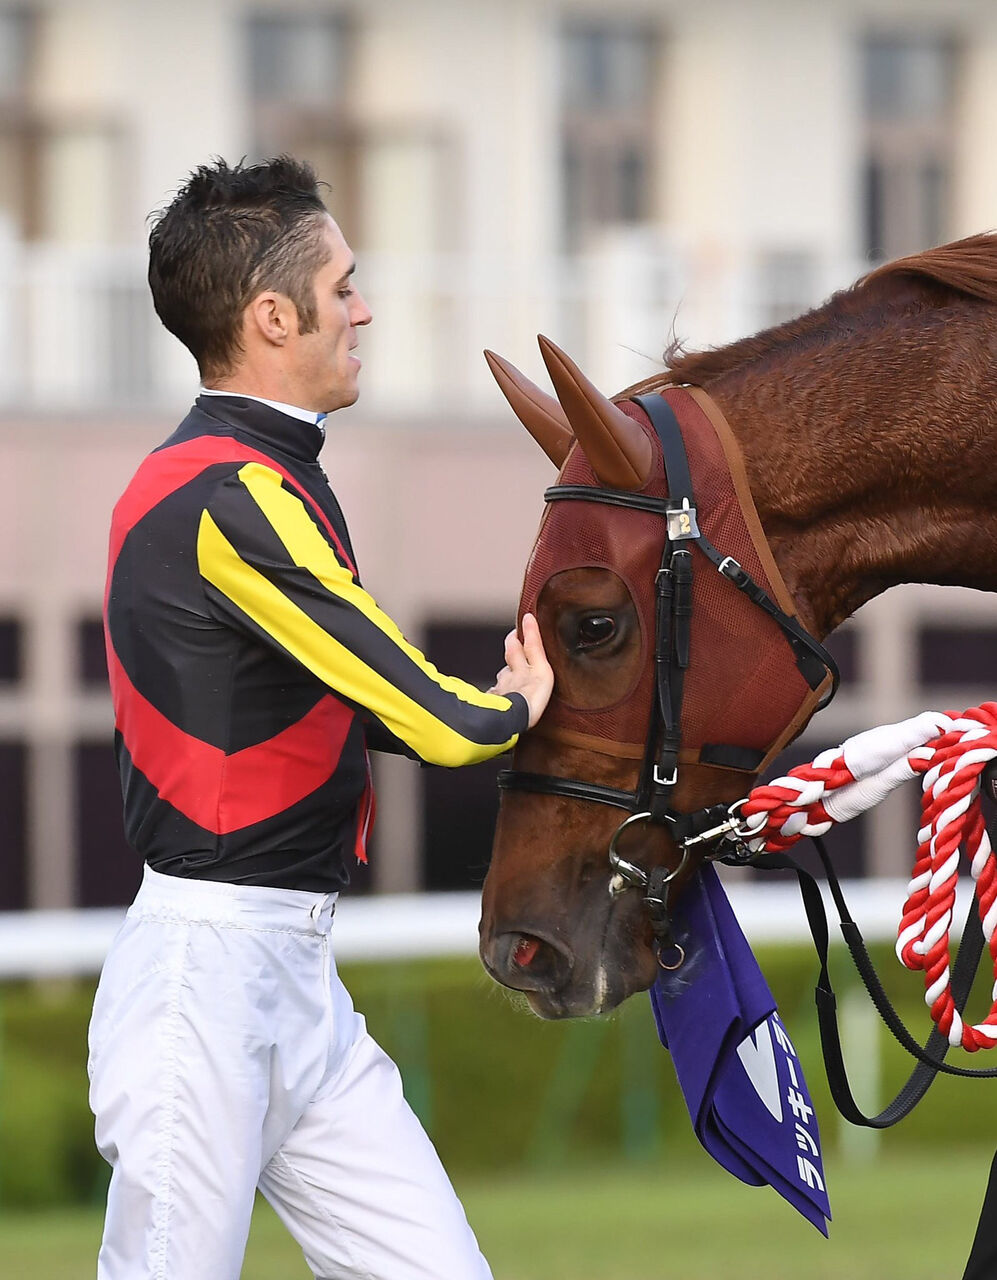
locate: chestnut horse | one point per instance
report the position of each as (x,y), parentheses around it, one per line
(865,429)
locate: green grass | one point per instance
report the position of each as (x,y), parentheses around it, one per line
(498,1090)
(910,1217)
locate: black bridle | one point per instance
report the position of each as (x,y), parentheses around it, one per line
(715,830)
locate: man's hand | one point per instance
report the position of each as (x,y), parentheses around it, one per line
(527,670)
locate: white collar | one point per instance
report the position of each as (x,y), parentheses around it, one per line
(292,410)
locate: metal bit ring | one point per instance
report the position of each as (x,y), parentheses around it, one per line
(679,951)
(629,871)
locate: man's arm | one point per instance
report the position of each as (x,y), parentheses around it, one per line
(269,569)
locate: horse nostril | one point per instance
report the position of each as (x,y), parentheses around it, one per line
(527,961)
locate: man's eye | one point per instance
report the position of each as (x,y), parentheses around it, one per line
(595,631)
(345,293)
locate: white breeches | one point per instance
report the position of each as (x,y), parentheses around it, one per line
(225,1055)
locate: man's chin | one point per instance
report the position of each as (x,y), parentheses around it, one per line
(342,398)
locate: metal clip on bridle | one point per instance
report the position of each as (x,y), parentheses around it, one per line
(729,838)
(723,841)
(657,885)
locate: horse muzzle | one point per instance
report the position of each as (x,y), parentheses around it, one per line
(573,972)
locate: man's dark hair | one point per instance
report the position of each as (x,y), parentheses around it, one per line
(229,234)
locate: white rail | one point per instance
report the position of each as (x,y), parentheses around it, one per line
(56,944)
(78,330)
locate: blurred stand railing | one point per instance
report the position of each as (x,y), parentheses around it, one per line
(78,331)
(60,944)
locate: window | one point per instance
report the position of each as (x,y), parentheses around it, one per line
(460,805)
(297,59)
(607,117)
(11,651)
(77,168)
(298,75)
(950,656)
(390,185)
(843,646)
(13,828)
(15,54)
(15,175)
(108,871)
(59,174)
(91,657)
(908,98)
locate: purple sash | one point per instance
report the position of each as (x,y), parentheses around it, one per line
(737,1068)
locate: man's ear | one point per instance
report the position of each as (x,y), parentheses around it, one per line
(272,317)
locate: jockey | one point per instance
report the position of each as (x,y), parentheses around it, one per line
(250,672)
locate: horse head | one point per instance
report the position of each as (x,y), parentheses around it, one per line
(862,459)
(556,923)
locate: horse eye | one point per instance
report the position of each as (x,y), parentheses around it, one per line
(595,630)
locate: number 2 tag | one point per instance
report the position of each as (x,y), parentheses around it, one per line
(682,523)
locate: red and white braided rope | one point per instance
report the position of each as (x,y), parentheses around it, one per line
(949,751)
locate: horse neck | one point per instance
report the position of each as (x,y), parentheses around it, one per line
(871,461)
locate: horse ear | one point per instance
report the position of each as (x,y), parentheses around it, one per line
(616,447)
(539,413)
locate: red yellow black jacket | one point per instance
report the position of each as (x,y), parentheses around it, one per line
(250,669)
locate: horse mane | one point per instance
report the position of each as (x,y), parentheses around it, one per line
(965,268)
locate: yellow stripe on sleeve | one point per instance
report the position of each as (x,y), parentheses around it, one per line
(309,550)
(330,660)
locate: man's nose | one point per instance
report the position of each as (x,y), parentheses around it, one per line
(362,314)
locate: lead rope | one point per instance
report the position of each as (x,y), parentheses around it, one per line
(949,752)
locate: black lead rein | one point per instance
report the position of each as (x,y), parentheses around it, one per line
(982,1263)
(930,1056)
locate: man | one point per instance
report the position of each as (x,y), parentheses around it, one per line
(249,672)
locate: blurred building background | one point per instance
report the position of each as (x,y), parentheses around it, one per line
(607,174)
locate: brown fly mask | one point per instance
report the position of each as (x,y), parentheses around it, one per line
(680,671)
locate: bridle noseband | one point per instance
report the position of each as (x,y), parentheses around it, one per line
(714,832)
